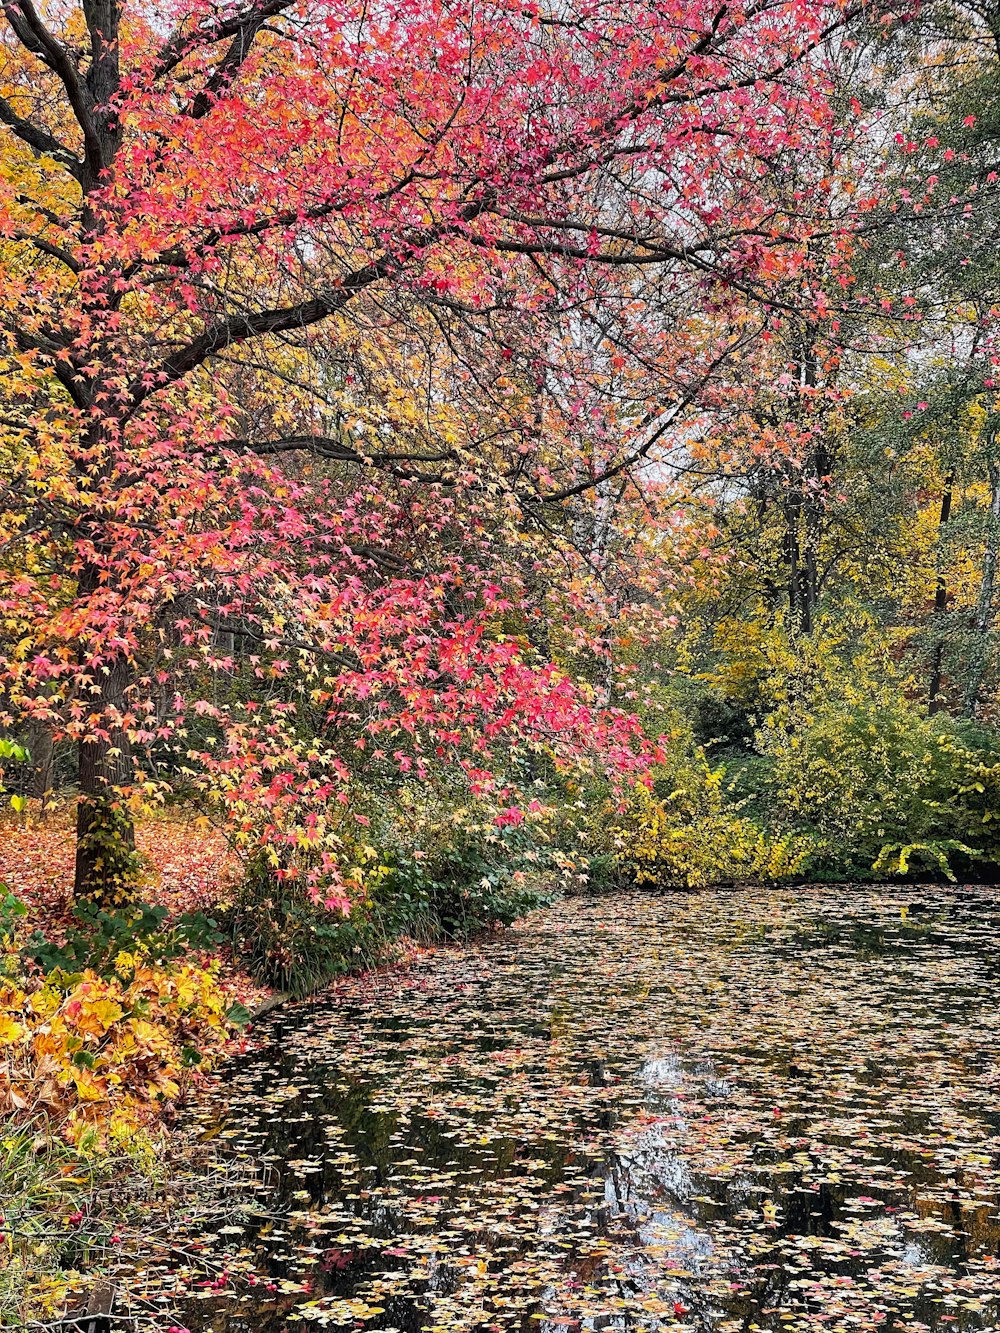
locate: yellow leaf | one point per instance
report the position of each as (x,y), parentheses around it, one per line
(10,1029)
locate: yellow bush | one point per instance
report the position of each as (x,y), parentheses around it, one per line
(81,1047)
(690,839)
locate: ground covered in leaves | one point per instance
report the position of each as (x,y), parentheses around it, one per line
(761,1109)
(184,861)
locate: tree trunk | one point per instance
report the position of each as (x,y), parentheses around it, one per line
(940,601)
(803,507)
(40,754)
(791,546)
(984,611)
(812,517)
(800,558)
(105,836)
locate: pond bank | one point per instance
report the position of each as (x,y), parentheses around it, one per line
(772,1109)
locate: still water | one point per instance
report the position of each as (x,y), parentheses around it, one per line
(756,1109)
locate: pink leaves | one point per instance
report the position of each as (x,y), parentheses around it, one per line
(325,400)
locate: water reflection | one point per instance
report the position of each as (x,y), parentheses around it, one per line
(746,1111)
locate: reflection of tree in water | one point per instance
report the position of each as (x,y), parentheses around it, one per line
(712,1113)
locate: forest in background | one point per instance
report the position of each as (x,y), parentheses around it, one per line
(455,457)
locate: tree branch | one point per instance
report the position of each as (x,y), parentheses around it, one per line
(240,328)
(181,258)
(636,455)
(39,139)
(36,38)
(47,248)
(227,69)
(341,450)
(182,44)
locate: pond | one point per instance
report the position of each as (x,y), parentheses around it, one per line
(736,1110)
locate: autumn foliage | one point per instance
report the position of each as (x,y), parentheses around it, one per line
(82,1049)
(453,453)
(328,340)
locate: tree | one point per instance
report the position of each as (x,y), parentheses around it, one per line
(193,197)
(932,246)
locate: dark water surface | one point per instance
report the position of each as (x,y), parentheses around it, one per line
(757,1109)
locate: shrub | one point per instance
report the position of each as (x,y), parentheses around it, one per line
(881,786)
(684,833)
(462,872)
(111,1027)
(80,1046)
(96,936)
(853,761)
(433,869)
(287,938)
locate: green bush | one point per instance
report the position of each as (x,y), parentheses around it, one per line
(432,869)
(882,787)
(286,938)
(476,878)
(96,936)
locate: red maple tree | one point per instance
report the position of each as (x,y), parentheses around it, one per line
(220,224)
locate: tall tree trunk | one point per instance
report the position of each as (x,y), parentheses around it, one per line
(801,531)
(40,752)
(105,853)
(105,836)
(811,502)
(605,502)
(804,506)
(984,611)
(940,601)
(790,509)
